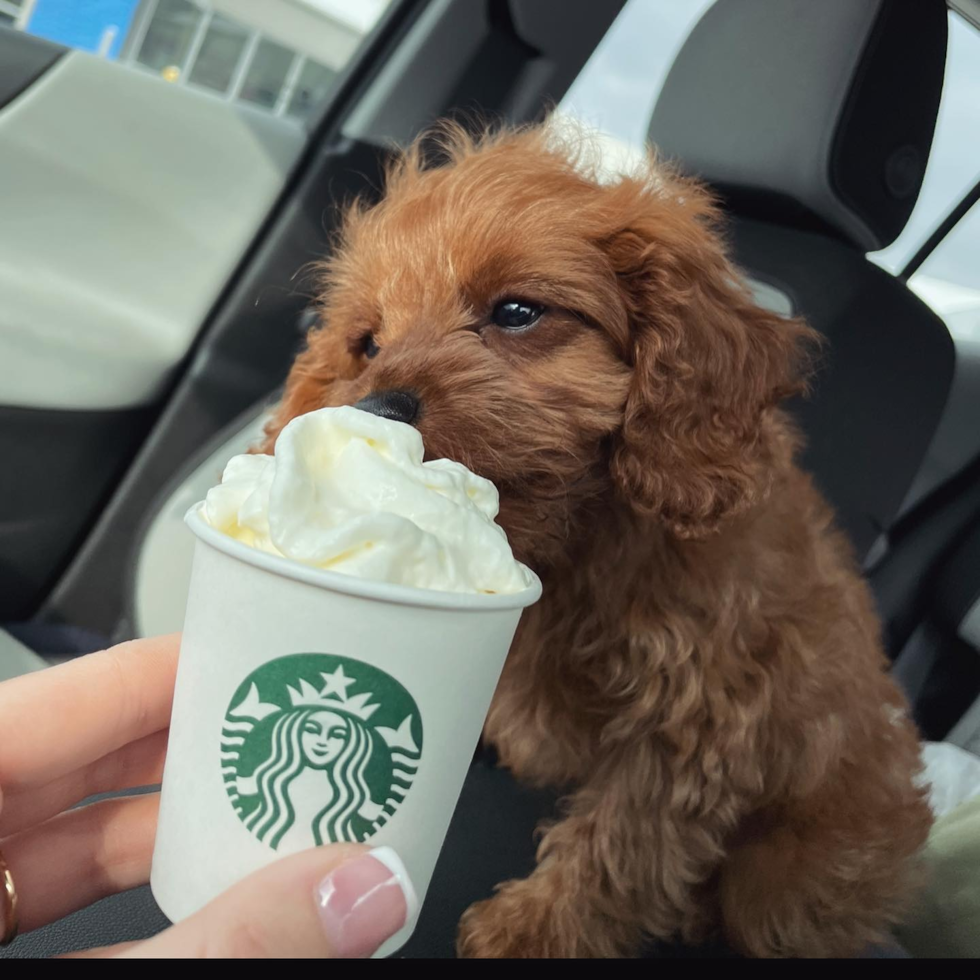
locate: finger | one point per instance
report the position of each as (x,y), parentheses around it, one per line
(337,901)
(77,858)
(131,767)
(60,719)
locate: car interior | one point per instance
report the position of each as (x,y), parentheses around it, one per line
(155,248)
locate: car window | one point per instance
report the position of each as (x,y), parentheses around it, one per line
(949,279)
(954,161)
(279,56)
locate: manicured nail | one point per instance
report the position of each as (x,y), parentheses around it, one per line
(364,902)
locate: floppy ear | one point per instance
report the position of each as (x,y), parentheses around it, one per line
(311,382)
(698,442)
(312,373)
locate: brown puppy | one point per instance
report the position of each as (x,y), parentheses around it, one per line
(704,671)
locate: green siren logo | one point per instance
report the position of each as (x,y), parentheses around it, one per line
(317,748)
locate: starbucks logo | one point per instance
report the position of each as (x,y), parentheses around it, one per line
(317,748)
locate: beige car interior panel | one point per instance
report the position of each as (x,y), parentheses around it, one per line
(164,566)
(126,203)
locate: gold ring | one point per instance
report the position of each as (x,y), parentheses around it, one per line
(9,919)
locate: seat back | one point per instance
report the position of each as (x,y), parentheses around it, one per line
(813,123)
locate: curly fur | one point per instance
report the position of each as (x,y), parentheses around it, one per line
(704,673)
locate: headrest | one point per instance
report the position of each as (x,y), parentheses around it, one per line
(818,113)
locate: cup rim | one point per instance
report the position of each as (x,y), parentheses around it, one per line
(406,595)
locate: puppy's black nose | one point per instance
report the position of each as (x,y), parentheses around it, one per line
(402,406)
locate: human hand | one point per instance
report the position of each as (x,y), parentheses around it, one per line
(99,725)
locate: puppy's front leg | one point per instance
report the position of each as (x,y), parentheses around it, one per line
(630,860)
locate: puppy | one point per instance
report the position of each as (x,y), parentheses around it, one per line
(704,672)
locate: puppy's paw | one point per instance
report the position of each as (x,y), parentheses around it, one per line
(517,923)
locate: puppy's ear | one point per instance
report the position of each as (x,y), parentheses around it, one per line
(697,444)
(324,361)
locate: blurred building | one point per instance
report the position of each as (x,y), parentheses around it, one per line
(14,13)
(279,55)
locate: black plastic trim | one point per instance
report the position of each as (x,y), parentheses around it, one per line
(59,468)
(957,587)
(919,545)
(885,131)
(23,60)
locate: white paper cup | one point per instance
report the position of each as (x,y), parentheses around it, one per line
(313,706)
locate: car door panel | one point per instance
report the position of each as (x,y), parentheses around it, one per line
(248,344)
(128,203)
(125,205)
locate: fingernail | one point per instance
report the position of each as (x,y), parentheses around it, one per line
(364,902)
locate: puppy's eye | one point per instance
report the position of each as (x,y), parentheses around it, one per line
(516,314)
(369,347)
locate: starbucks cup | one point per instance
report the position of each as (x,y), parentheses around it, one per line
(314,707)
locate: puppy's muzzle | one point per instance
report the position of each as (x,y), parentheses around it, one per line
(402,406)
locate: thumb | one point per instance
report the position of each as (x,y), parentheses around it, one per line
(338,901)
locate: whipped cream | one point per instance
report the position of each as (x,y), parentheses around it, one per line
(348,491)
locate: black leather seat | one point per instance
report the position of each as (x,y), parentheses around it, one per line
(813,122)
